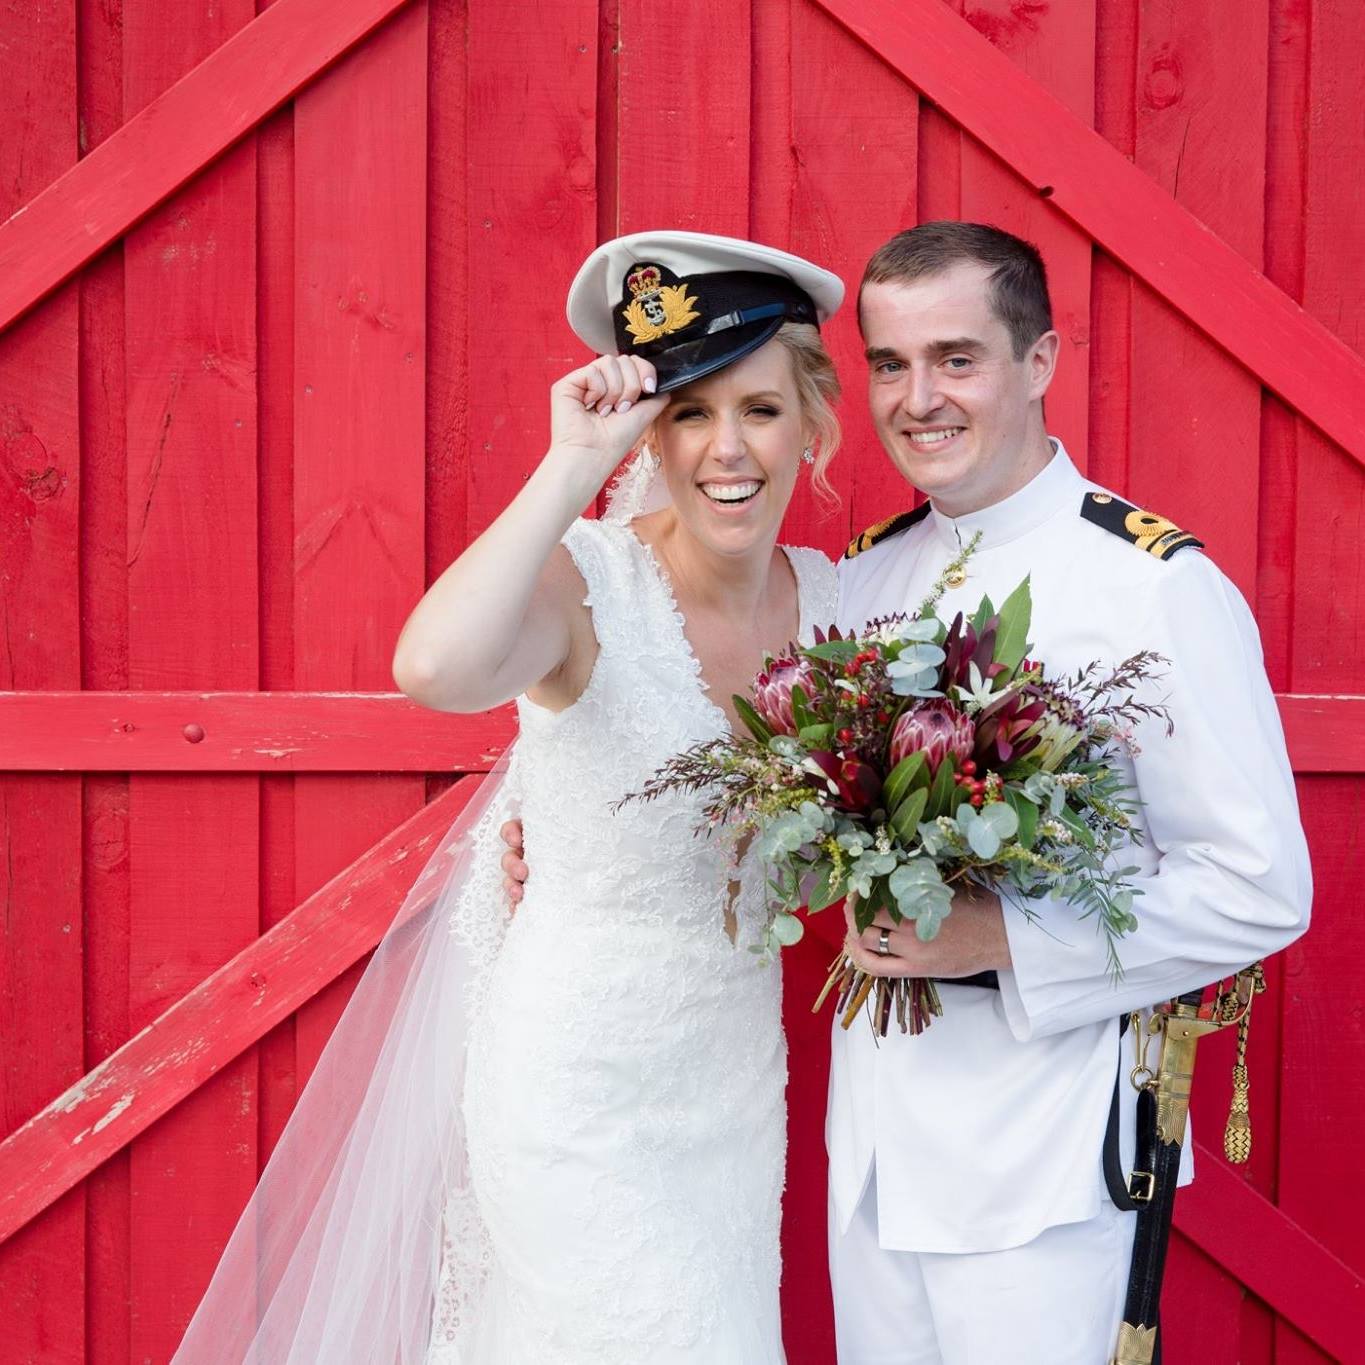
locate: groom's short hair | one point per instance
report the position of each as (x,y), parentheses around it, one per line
(1018,279)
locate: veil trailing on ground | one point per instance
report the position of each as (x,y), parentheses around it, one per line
(339,1253)
(362,1241)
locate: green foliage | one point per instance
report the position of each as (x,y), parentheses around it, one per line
(910,774)
(1011,636)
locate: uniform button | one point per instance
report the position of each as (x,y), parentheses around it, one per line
(1102,497)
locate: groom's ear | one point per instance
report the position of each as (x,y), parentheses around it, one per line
(1042,363)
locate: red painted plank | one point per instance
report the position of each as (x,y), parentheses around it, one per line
(1325,643)
(531,199)
(148,731)
(1109,198)
(842,156)
(106,872)
(449,454)
(195,1038)
(42,1276)
(1056,47)
(182,128)
(192,590)
(360,163)
(1196,414)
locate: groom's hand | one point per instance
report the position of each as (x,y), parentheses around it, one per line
(512,864)
(971,939)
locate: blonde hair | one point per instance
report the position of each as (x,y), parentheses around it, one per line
(817,385)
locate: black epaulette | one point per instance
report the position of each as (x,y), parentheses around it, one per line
(890,527)
(1146,530)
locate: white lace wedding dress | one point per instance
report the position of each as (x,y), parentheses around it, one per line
(624,1097)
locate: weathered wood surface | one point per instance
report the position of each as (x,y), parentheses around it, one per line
(184,127)
(190,1042)
(267,732)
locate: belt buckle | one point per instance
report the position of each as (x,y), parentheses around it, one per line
(1141,1194)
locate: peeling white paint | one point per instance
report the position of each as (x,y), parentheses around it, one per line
(115,1110)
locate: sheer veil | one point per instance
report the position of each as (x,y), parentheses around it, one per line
(338,1254)
(362,1240)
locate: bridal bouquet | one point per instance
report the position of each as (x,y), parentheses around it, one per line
(918,756)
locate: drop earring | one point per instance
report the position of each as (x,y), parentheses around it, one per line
(808,455)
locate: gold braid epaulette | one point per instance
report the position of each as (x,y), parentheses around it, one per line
(890,527)
(1146,530)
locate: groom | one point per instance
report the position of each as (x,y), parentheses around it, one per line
(970,1215)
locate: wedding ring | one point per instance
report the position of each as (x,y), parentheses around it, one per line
(884,943)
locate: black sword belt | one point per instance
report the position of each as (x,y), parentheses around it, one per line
(1162,1111)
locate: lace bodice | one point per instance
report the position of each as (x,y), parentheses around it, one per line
(645,701)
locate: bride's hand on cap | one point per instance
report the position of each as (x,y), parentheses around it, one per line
(600,411)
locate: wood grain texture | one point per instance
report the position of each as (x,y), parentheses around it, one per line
(182,128)
(360,160)
(42,1275)
(1119,207)
(199,1035)
(190,317)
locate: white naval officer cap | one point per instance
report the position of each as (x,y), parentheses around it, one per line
(691,303)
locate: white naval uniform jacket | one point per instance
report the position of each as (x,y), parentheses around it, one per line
(989,1127)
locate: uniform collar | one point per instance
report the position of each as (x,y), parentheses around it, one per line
(1041,498)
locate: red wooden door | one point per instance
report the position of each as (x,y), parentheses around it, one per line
(281,291)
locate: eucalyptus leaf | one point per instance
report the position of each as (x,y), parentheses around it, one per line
(1000,816)
(788,929)
(816,736)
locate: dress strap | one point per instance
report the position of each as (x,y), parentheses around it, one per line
(817,588)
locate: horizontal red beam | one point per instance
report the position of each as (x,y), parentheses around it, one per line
(221,1017)
(1325,734)
(384,732)
(1120,207)
(1275,1258)
(268,732)
(172,140)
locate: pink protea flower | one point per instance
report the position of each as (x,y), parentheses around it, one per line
(937,729)
(773,692)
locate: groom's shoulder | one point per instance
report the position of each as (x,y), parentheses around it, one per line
(884,530)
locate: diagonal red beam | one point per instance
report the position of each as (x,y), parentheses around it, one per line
(1119,206)
(217,1020)
(173,139)
(1281,1263)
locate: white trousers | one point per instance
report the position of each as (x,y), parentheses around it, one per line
(1057,1300)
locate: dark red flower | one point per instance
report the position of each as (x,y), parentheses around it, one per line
(856,784)
(1008,728)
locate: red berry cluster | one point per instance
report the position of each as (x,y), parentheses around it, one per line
(966,777)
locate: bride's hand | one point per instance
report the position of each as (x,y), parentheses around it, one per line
(599,413)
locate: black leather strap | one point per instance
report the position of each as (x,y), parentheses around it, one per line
(1114,1178)
(989,981)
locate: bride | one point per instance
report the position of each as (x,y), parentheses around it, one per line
(605,1184)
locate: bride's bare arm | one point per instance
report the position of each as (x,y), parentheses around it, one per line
(507,614)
